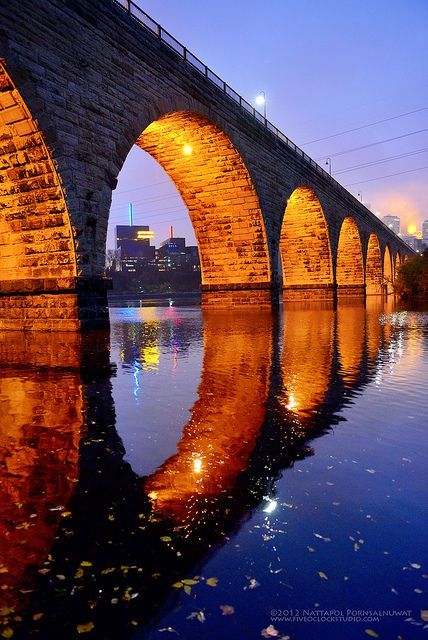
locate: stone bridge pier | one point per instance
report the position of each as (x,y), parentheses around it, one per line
(81,82)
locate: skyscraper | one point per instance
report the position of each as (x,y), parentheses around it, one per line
(425,233)
(393,222)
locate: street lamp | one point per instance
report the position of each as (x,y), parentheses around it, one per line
(328,162)
(261,102)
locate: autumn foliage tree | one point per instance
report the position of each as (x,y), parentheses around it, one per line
(412,279)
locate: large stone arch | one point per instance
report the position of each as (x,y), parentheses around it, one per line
(373,266)
(305,247)
(388,272)
(349,261)
(220,197)
(36,241)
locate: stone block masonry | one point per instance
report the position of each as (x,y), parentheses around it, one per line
(81,82)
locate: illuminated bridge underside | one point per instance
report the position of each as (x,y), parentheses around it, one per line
(221,200)
(70,111)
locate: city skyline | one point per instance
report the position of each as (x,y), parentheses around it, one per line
(330,95)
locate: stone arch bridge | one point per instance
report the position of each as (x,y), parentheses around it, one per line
(81,82)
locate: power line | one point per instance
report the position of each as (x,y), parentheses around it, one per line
(364,126)
(372,144)
(400,173)
(384,160)
(145,186)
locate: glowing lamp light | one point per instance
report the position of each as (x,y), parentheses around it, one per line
(260,99)
(187,149)
(411,229)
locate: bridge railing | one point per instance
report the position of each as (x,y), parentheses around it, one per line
(144,19)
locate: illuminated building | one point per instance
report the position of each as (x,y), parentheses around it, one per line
(393,222)
(134,245)
(173,254)
(425,234)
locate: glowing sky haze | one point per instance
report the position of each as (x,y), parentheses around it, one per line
(326,67)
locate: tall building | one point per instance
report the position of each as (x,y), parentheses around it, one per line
(134,245)
(173,254)
(425,234)
(393,222)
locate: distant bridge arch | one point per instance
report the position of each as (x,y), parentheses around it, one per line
(373,266)
(305,246)
(349,262)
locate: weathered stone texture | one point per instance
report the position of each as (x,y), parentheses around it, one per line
(81,81)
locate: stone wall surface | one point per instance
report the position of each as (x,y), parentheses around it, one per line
(81,81)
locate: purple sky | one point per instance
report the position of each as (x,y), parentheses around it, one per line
(326,66)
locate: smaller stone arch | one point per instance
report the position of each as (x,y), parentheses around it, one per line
(388,273)
(305,247)
(373,267)
(349,261)
(397,263)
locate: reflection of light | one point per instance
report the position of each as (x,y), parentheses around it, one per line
(271,506)
(197,465)
(150,358)
(187,149)
(292,404)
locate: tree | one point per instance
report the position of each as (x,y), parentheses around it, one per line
(412,278)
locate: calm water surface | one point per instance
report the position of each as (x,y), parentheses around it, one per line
(202,474)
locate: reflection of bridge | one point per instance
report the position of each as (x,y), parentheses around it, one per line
(254,416)
(70,110)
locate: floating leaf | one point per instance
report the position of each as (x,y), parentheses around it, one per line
(189,581)
(104,572)
(86,563)
(65,514)
(371,633)
(415,565)
(371,471)
(166,538)
(7,632)
(270,632)
(356,546)
(187,589)
(424,615)
(418,591)
(227,610)
(85,628)
(322,575)
(212,582)
(3,569)
(38,616)
(311,549)
(79,573)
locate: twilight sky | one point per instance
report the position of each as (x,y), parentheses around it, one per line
(326,66)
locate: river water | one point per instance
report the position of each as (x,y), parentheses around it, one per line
(211,474)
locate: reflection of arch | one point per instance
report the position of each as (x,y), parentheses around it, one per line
(350,340)
(226,419)
(305,247)
(39,449)
(349,265)
(36,241)
(220,197)
(307,358)
(387,271)
(373,266)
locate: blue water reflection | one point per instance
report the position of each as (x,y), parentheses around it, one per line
(171,479)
